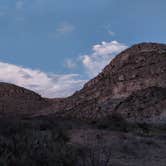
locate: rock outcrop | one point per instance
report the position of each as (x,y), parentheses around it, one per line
(134,70)
(147,105)
(16,100)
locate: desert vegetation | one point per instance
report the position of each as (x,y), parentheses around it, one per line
(28,143)
(47,141)
(42,142)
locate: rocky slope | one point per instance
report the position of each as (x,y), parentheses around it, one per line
(147,105)
(16,100)
(136,69)
(133,85)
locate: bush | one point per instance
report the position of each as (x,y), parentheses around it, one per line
(27,145)
(114,122)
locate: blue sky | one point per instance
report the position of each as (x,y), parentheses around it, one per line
(64,38)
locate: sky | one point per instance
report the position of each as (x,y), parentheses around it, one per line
(54,46)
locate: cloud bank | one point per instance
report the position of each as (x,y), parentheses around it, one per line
(48,85)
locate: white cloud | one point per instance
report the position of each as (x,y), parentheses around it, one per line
(111,33)
(101,55)
(108,29)
(64,28)
(19,4)
(48,85)
(70,64)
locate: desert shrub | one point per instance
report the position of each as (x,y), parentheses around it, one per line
(117,123)
(141,129)
(93,156)
(24,143)
(114,122)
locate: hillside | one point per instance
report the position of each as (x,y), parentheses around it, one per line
(133,84)
(138,68)
(16,101)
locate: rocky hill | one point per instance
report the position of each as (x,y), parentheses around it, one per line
(133,85)
(16,100)
(134,74)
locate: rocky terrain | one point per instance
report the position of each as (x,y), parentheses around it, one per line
(135,74)
(132,84)
(16,101)
(117,119)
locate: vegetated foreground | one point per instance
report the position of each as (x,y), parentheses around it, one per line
(51,141)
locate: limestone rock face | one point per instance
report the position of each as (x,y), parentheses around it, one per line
(15,100)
